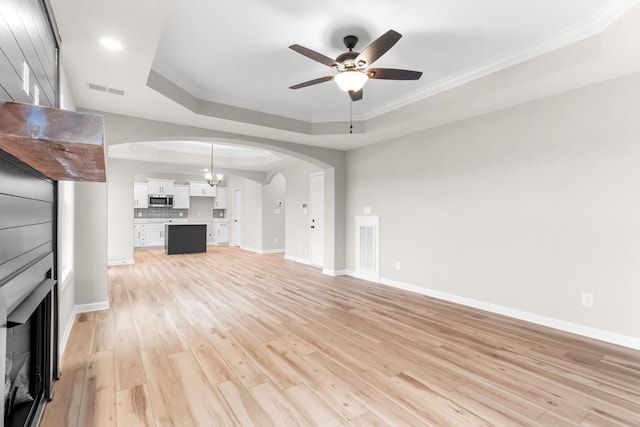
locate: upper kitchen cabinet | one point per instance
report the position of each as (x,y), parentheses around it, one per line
(180,196)
(140,196)
(221,198)
(201,189)
(160,186)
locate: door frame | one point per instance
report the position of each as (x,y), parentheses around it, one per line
(237,217)
(311,210)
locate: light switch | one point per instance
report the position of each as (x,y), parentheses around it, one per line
(366,210)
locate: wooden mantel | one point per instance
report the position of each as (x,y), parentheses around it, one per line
(60,144)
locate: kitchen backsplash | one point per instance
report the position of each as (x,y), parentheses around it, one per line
(160,213)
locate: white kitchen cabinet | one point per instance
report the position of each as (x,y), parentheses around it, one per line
(210,234)
(221,198)
(221,233)
(154,235)
(139,235)
(180,197)
(140,195)
(160,186)
(201,189)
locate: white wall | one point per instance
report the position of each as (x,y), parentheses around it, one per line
(525,208)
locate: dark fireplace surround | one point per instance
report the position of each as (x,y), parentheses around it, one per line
(31,344)
(38,147)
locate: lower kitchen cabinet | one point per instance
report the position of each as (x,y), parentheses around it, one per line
(139,235)
(221,233)
(155,235)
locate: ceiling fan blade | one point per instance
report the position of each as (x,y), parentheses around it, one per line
(378,47)
(312,54)
(356,96)
(393,74)
(312,82)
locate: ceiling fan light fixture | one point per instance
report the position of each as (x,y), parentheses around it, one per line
(351,81)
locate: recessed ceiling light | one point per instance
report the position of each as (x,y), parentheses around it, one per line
(111,43)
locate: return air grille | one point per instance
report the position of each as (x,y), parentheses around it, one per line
(368,248)
(106,89)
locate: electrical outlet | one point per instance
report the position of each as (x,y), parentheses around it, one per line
(397,265)
(587,299)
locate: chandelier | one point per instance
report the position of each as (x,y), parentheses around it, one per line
(209,175)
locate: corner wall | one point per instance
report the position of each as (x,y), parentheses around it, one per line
(522,209)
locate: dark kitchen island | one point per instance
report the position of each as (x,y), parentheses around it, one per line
(185,238)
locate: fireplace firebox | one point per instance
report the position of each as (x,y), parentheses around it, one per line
(28,357)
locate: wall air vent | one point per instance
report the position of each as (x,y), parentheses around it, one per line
(105,89)
(368,248)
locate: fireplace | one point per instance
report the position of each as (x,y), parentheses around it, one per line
(38,147)
(28,362)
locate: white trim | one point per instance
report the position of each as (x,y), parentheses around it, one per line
(262,251)
(550,322)
(121,262)
(298,260)
(273,251)
(333,273)
(363,276)
(310,210)
(362,272)
(574,328)
(82,308)
(87,308)
(68,278)
(607,16)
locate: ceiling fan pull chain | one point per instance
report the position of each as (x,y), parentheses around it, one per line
(350,116)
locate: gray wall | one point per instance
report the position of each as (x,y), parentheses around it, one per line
(123,129)
(91,244)
(273,216)
(296,217)
(525,208)
(251,215)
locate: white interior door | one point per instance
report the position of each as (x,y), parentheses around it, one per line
(316,217)
(237,215)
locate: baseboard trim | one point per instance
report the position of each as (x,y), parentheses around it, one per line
(352,273)
(254,250)
(574,328)
(82,308)
(262,251)
(298,260)
(334,273)
(121,262)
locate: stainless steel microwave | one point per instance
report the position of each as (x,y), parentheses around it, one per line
(160,201)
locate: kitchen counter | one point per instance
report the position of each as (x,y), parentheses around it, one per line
(185,238)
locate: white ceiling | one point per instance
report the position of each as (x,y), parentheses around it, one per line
(236,54)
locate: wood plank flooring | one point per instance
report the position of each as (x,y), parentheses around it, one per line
(234,338)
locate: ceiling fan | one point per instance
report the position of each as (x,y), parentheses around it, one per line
(353,67)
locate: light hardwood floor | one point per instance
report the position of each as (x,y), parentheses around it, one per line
(234,338)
